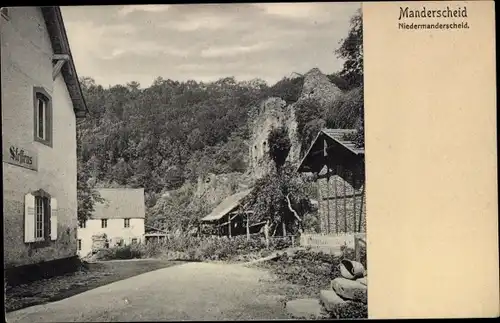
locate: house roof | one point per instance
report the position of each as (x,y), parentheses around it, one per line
(339,149)
(120,203)
(60,45)
(226,206)
(338,135)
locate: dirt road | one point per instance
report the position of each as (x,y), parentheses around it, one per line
(193,291)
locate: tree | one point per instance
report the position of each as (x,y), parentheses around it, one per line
(279,145)
(269,199)
(351,50)
(310,119)
(347,110)
(288,89)
(86,195)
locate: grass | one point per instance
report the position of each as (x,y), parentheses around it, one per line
(91,276)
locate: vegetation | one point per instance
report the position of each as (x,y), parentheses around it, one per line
(269,200)
(279,145)
(87,196)
(348,110)
(313,272)
(351,49)
(165,136)
(197,249)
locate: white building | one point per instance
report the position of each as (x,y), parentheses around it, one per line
(120,217)
(41,102)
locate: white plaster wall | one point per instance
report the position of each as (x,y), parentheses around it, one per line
(114,230)
(26,62)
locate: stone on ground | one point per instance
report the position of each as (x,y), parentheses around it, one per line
(350,289)
(330,299)
(305,308)
(363,281)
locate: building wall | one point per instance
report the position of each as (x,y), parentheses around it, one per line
(341,210)
(26,62)
(115,229)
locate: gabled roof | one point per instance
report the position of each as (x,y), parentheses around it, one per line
(337,144)
(60,45)
(338,135)
(226,206)
(120,203)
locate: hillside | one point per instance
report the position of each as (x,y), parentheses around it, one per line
(169,136)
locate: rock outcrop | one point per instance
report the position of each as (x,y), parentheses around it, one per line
(272,113)
(214,188)
(317,86)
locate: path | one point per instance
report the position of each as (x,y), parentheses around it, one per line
(193,291)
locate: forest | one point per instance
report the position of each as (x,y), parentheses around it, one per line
(170,133)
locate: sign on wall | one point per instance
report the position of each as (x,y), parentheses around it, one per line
(19,156)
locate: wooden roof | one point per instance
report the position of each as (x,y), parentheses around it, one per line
(226,206)
(60,45)
(331,148)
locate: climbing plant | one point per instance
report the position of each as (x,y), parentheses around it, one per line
(279,145)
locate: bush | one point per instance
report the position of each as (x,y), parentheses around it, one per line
(350,310)
(197,248)
(124,252)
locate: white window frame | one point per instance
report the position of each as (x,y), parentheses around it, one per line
(40,208)
(40,217)
(44,102)
(104,223)
(126,223)
(82,224)
(79,244)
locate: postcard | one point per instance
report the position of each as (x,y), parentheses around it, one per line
(249,161)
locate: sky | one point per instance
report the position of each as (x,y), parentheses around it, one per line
(205,42)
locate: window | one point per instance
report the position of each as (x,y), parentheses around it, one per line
(79,244)
(40,218)
(41,210)
(126,223)
(82,224)
(42,117)
(134,240)
(104,223)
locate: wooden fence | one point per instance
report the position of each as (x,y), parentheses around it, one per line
(359,245)
(334,242)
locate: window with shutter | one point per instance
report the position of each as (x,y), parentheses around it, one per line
(40,215)
(29,218)
(40,220)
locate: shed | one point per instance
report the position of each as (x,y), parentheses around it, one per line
(339,166)
(225,215)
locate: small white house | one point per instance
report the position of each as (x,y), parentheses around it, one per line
(120,217)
